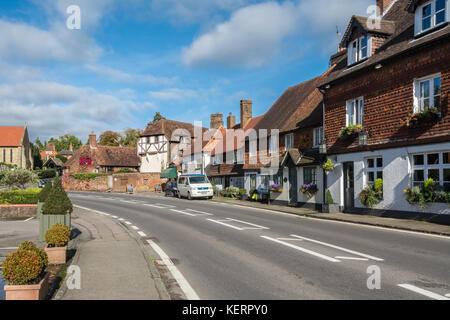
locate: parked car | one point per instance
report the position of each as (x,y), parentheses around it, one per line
(43,182)
(194,186)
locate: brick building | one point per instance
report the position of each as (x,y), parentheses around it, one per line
(385,73)
(15,147)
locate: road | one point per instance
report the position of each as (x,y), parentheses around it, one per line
(233,252)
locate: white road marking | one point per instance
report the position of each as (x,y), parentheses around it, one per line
(128,222)
(200,212)
(115,217)
(183,212)
(351,258)
(339,248)
(28,219)
(128,201)
(289,239)
(9,248)
(135,228)
(251,224)
(319,255)
(181,280)
(142,234)
(165,205)
(225,224)
(448,295)
(92,210)
(421,291)
(155,206)
(121,219)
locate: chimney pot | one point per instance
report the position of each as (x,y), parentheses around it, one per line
(216,121)
(93,140)
(231,121)
(246,112)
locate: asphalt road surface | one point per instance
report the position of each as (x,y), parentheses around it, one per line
(226,251)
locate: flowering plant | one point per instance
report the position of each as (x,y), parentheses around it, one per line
(276,188)
(309,189)
(350,130)
(428,115)
(328,166)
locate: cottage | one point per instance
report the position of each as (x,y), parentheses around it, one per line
(387,106)
(15,148)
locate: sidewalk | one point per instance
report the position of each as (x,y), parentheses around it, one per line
(410,225)
(112,264)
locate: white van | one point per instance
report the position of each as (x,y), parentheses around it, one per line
(194,186)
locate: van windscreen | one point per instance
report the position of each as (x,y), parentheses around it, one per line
(197,180)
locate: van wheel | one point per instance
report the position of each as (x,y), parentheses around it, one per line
(189,196)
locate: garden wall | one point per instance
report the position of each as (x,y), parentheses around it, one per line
(18,210)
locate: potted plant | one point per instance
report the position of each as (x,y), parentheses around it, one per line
(371,195)
(330,206)
(24,269)
(428,115)
(42,197)
(350,131)
(56,209)
(276,188)
(309,190)
(57,238)
(243,194)
(328,166)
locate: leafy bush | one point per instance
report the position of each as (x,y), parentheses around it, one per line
(231,192)
(126,171)
(369,197)
(57,201)
(57,235)
(45,192)
(29,196)
(28,245)
(242,192)
(62,158)
(88,176)
(429,192)
(46,174)
(329,198)
(22,267)
(19,178)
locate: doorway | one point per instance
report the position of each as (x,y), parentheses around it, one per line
(349,186)
(293,186)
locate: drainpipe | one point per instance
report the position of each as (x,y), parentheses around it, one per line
(324,173)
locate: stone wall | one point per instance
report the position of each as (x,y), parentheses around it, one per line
(18,211)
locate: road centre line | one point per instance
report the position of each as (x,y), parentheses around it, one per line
(251,224)
(421,291)
(157,206)
(225,224)
(339,248)
(316,254)
(351,258)
(200,212)
(128,222)
(142,234)
(135,228)
(178,276)
(183,212)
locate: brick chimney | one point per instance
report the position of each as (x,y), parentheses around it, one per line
(216,121)
(246,112)
(231,121)
(93,140)
(384,5)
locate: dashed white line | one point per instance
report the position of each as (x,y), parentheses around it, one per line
(200,212)
(225,224)
(351,258)
(128,222)
(121,219)
(424,292)
(251,224)
(135,228)
(142,234)
(183,212)
(115,217)
(319,255)
(339,248)
(181,280)
(9,248)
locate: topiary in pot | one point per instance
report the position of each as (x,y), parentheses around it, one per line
(22,267)
(57,238)
(45,192)
(28,245)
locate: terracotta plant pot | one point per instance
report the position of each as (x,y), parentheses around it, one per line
(28,292)
(56,255)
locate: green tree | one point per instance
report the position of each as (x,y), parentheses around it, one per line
(130,138)
(19,178)
(57,201)
(63,142)
(36,154)
(157,117)
(109,138)
(40,146)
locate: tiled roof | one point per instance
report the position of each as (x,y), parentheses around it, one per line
(11,136)
(167,128)
(401,41)
(107,156)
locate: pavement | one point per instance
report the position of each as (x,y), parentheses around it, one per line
(223,250)
(113,266)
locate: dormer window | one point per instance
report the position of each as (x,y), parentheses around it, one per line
(358,50)
(431,15)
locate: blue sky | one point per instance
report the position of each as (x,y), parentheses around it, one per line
(186,59)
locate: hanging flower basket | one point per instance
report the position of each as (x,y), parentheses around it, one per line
(328,166)
(277,188)
(350,131)
(309,190)
(427,116)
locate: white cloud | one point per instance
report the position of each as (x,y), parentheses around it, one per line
(174,94)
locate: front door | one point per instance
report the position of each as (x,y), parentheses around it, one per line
(349,189)
(292,185)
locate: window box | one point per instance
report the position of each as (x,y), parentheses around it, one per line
(427,116)
(309,190)
(350,131)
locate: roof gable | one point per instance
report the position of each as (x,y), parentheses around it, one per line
(386,27)
(12,136)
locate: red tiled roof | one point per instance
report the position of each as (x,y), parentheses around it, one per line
(11,136)
(107,156)
(167,128)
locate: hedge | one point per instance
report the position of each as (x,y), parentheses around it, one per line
(46,174)
(88,176)
(29,196)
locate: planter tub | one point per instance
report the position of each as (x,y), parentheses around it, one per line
(56,255)
(28,292)
(330,208)
(48,220)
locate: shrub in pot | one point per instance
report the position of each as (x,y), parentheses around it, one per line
(57,238)
(56,209)
(29,245)
(25,272)
(43,195)
(330,206)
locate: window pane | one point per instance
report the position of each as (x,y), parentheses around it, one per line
(370,163)
(418,160)
(371,177)
(379,174)
(307,179)
(425,89)
(447,175)
(426,23)
(418,175)
(446,157)
(433,174)
(437,85)
(433,158)
(380,162)
(437,102)
(440,4)
(447,186)
(426,11)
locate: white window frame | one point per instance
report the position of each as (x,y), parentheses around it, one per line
(318,137)
(418,24)
(355,111)
(375,169)
(425,167)
(273,145)
(288,141)
(419,101)
(253,148)
(355,50)
(313,175)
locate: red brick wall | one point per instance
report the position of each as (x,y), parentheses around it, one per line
(388,99)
